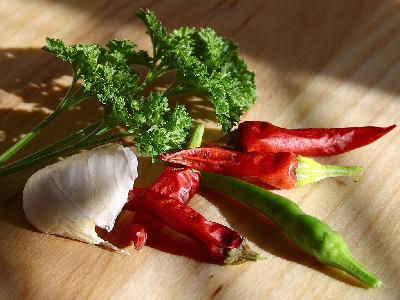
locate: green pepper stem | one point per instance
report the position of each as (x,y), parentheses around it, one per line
(197,137)
(309,171)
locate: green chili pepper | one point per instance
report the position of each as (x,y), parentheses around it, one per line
(309,233)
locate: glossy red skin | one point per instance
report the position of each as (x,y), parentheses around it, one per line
(138,236)
(120,235)
(265,137)
(185,220)
(180,183)
(275,169)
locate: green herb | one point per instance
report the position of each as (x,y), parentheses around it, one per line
(206,65)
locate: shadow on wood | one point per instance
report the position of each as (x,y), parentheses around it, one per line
(36,81)
(291,36)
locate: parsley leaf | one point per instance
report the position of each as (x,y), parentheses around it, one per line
(110,78)
(155,30)
(79,56)
(205,64)
(157,129)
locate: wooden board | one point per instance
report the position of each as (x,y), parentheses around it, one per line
(318,63)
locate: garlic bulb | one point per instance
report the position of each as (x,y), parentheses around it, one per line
(72,196)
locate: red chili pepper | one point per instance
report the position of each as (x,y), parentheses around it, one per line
(121,234)
(223,243)
(264,137)
(281,170)
(277,170)
(138,235)
(180,183)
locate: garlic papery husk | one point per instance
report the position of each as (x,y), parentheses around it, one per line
(73,196)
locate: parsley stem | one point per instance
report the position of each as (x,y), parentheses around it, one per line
(66,102)
(71,139)
(62,147)
(172,86)
(27,138)
(181,90)
(152,75)
(108,139)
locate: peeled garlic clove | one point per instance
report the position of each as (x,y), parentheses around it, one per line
(72,196)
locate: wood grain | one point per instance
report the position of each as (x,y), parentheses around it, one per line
(318,63)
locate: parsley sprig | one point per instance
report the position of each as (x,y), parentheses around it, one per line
(205,64)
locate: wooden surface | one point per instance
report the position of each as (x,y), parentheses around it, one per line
(318,63)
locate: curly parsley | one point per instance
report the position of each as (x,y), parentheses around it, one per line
(205,64)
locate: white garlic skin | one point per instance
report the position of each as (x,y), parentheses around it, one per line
(71,197)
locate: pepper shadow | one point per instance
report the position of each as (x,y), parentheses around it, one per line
(169,241)
(270,238)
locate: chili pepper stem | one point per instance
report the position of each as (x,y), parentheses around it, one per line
(241,254)
(309,171)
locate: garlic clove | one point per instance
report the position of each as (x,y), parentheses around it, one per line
(73,196)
